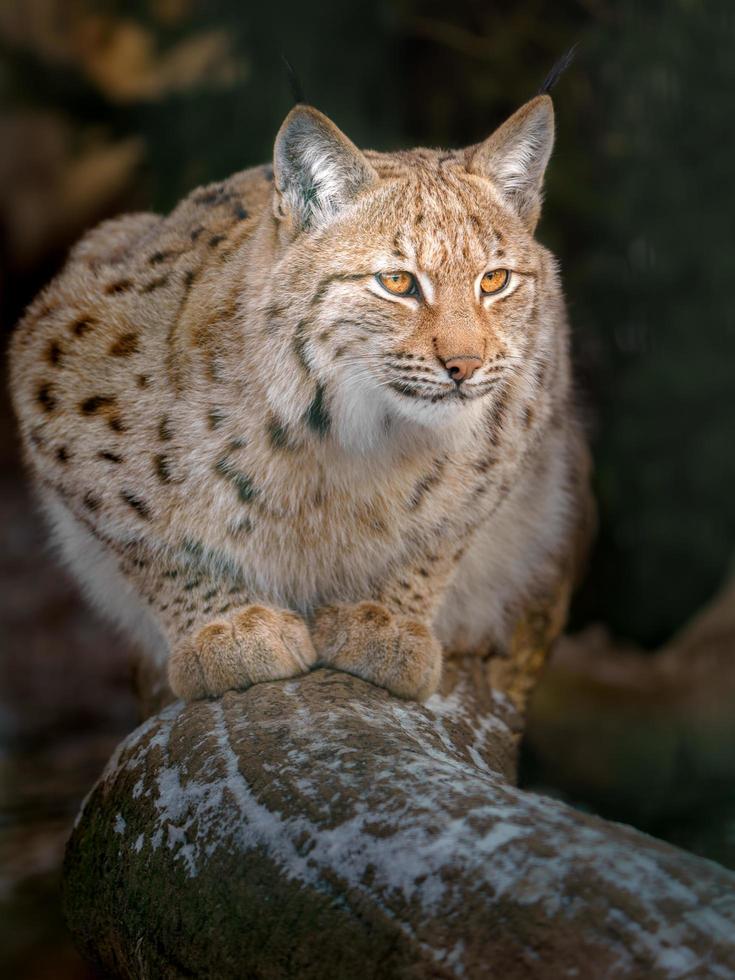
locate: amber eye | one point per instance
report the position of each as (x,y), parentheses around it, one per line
(493,282)
(398,283)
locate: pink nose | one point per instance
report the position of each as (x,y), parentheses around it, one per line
(461,368)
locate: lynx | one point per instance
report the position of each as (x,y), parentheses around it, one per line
(321,414)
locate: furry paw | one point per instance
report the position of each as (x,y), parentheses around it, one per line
(392,651)
(251,645)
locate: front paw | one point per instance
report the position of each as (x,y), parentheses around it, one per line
(392,651)
(250,645)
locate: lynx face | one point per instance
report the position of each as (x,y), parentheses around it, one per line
(417,274)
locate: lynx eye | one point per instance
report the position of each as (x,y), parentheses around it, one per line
(398,283)
(493,282)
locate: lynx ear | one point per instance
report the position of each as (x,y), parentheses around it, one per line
(515,157)
(317,169)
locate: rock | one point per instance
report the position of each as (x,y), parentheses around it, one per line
(321,828)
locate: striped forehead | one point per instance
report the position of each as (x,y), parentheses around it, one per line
(443,228)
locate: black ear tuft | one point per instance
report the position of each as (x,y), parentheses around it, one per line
(558,70)
(294,82)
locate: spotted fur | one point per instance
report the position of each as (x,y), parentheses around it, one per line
(256,459)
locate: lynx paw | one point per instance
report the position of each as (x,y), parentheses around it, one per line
(391,651)
(251,645)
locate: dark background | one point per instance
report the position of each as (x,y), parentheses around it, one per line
(112,106)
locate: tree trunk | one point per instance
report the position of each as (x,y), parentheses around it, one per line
(321,828)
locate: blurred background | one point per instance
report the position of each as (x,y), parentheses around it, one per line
(112,106)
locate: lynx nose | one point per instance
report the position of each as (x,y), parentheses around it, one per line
(462,368)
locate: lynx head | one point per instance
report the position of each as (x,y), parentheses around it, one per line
(408,283)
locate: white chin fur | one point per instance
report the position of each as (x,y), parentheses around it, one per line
(368,417)
(449,412)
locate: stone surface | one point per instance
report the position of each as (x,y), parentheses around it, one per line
(321,828)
